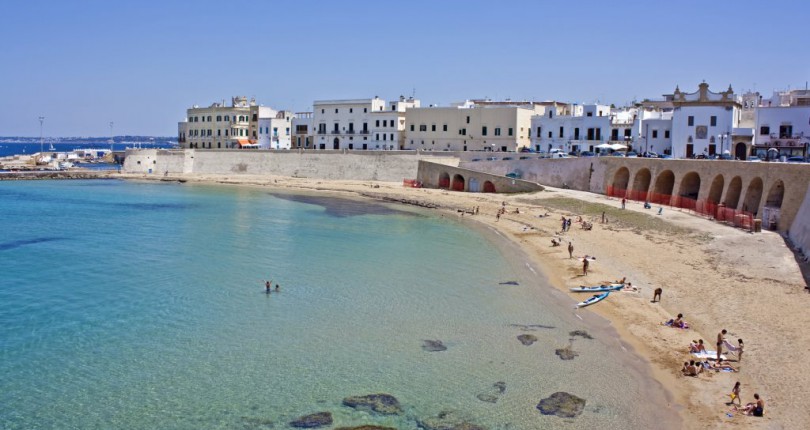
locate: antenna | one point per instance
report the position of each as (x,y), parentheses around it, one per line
(112,139)
(41,146)
(413,93)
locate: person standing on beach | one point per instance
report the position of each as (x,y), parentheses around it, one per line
(657,294)
(603,217)
(498,216)
(570,249)
(623,202)
(585,264)
(720,338)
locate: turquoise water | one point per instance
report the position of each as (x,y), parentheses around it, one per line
(140,305)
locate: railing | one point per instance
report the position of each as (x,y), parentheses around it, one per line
(348,132)
(709,209)
(363,132)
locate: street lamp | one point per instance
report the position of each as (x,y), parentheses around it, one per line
(112,139)
(41,140)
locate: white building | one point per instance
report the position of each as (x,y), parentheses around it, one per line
(573,128)
(783,125)
(478,125)
(704,122)
(303,132)
(653,132)
(360,123)
(273,128)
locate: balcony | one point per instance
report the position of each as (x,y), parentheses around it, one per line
(363,132)
(348,132)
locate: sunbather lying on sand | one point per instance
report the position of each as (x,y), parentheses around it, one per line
(678,322)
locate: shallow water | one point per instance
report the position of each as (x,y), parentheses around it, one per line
(141,305)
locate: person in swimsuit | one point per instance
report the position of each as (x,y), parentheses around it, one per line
(720,338)
(267,287)
(735,393)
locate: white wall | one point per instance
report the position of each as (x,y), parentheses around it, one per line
(681,130)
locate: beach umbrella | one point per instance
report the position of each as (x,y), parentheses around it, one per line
(618,146)
(604,146)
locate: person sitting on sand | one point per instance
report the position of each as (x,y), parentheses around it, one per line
(692,369)
(678,322)
(697,347)
(630,287)
(755,408)
(555,242)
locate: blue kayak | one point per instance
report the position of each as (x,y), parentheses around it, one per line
(595,299)
(597,289)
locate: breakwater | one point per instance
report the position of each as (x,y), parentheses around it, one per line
(57,174)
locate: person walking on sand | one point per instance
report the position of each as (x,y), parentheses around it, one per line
(720,338)
(498,216)
(585,265)
(657,294)
(570,249)
(735,394)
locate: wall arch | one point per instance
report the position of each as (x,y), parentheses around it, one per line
(444,180)
(690,186)
(665,182)
(733,193)
(775,195)
(458,183)
(753,195)
(621,178)
(489,187)
(641,182)
(716,190)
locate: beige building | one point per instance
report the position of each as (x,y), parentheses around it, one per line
(218,126)
(471,126)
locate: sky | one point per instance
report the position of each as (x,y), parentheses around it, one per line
(140,64)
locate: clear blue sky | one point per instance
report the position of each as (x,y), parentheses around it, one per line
(82,64)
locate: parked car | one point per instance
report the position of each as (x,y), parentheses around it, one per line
(513,175)
(617,154)
(476,159)
(526,149)
(524,158)
(665,156)
(796,160)
(506,158)
(573,153)
(587,154)
(632,154)
(725,157)
(492,158)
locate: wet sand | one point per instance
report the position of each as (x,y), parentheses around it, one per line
(718,276)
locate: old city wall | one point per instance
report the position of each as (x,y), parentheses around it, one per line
(800,230)
(434,175)
(335,165)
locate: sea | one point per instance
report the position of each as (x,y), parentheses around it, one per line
(142,305)
(27,146)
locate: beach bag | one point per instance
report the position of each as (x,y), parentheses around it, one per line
(758,411)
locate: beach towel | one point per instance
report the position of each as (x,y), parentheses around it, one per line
(729,347)
(708,355)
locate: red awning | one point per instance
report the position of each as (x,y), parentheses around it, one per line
(245,142)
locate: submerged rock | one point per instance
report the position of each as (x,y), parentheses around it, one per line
(312,421)
(447,420)
(366,427)
(566,353)
(494,393)
(509,283)
(580,333)
(562,404)
(385,404)
(527,339)
(433,346)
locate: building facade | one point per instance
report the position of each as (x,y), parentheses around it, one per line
(469,126)
(782,125)
(703,122)
(360,123)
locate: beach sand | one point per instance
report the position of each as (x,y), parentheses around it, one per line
(717,276)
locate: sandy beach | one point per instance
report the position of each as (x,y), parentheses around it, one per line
(719,277)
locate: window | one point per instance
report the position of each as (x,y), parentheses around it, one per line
(561,131)
(411,127)
(590,114)
(377,123)
(351,110)
(690,121)
(323,110)
(550,114)
(433,127)
(336,111)
(423,127)
(549,135)
(497,131)
(393,107)
(392,136)
(713,121)
(377,136)
(576,133)
(539,131)
(365,110)
(512,131)
(627,132)
(468,119)
(655,134)
(444,127)
(484,131)
(384,136)
(385,123)
(785,131)
(764,130)
(614,134)
(666,134)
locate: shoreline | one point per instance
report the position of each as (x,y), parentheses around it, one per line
(699,252)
